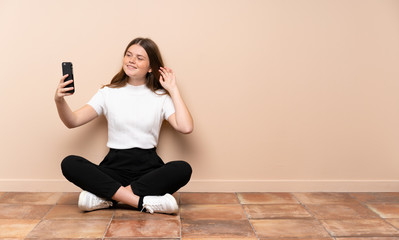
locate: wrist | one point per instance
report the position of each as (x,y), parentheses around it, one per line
(59,100)
(173,90)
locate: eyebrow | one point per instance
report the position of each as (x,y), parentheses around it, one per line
(136,54)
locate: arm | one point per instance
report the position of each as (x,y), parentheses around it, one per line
(69,118)
(181,120)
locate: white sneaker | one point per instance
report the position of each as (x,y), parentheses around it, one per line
(160,204)
(89,202)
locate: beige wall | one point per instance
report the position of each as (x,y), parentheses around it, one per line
(286,95)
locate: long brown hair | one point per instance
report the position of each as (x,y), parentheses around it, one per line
(155,58)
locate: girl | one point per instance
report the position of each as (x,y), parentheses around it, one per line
(140,96)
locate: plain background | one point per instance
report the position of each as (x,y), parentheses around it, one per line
(286,95)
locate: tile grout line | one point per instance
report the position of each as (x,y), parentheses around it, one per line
(180,221)
(314,217)
(34,228)
(180,225)
(5,194)
(109,224)
(364,204)
(44,217)
(246,215)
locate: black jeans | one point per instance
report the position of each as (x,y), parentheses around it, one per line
(142,169)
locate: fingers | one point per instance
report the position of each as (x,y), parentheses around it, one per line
(64,84)
(163,74)
(62,90)
(166,70)
(167,79)
(63,78)
(167,73)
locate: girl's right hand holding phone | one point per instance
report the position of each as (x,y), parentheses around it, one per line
(62,90)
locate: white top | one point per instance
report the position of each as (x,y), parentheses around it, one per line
(134,113)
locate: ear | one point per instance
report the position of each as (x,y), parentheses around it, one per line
(150,70)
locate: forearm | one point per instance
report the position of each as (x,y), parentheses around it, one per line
(69,118)
(184,120)
(77,118)
(65,113)
(181,120)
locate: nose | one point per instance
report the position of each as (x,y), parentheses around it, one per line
(132,59)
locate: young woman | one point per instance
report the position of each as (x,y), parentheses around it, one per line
(135,103)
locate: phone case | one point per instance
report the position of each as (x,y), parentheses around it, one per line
(67,69)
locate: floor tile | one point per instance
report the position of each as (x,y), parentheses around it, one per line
(276,211)
(140,238)
(16,228)
(134,214)
(213,212)
(70,228)
(31,198)
(324,198)
(143,228)
(288,228)
(73,212)
(381,197)
(275,216)
(222,238)
(329,238)
(341,211)
(69,198)
(216,229)
(370,238)
(14,211)
(176,195)
(266,198)
(44,238)
(208,198)
(297,238)
(359,228)
(388,210)
(394,222)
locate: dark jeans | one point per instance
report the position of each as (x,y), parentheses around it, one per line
(142,169)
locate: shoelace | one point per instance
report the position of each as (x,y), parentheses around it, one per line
(148,208)
(153,205)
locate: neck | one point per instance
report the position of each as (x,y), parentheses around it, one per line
(136,81)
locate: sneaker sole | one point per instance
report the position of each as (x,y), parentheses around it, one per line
(174,203)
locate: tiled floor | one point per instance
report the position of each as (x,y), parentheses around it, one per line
(310,216)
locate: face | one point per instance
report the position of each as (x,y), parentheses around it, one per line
(136,63)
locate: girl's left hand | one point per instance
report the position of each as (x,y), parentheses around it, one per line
(167,79)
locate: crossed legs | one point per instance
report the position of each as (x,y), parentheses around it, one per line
(109,184)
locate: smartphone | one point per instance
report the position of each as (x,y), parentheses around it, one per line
(67,69)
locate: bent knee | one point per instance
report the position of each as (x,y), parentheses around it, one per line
(69,163)
(185,169)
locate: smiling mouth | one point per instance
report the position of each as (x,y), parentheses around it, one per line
(131,67)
